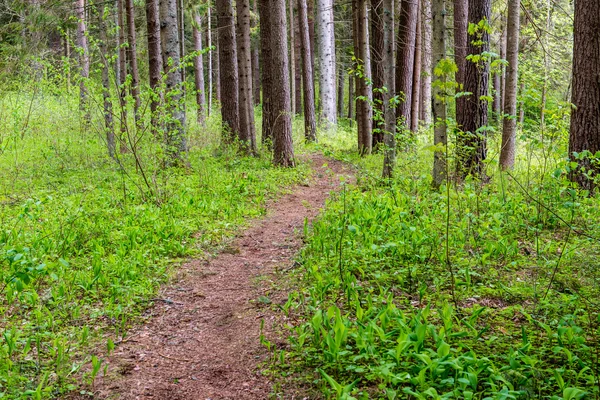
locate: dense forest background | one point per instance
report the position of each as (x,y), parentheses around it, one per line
(462,263)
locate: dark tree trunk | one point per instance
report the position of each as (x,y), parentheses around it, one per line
(122,73)
(283,153)
(377,66)
(247,134)
(310,124)
(107,103)
(350,98)
(364,112)
(471,144)
(132,58)
(255,58)
(340,95)
(405,60)
(228,71)
(297,63)
(155,64)
(439,111)
(209,63)
(461,11)
(216,69)
(268,117)
(585,117)
(389,156)
(84,58)
(310,9)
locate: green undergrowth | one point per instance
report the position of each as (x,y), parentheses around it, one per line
(86,242)
(485,292)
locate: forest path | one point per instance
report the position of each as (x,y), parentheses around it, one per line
(203,342)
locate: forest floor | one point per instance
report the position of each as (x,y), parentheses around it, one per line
(201,339)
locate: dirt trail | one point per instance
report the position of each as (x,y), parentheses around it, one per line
(203,342)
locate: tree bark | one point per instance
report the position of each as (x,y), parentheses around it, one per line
(247,133)
(426,29)
(389,156)
(283,153)
(107,103)
(292,57)
(471,146)
(405,56)
(416,84)
(255,57)
(310,125)
(340,93)
(132,58)
(461,12)
(585,117)
(364,112)
(350,99)
(268,116)
(228,70)
(509,124)
(297,97)
(209,63)
(327,69)
(310,9)
(199,68)
(377,65)
(122,77)
(84,58)
(175,127)
(440,130)
(155,65)
(216,63)
(181,31)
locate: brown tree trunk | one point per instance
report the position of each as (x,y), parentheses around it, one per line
(471,144)
(209,63)
(427,68)
(461,12)
(405,59)
(310,122)
(292,57)
(228,70)
(585,117)
(440,129)
(199,68)
(310,9)
(364,112)
(169,37)
(122,74)
(155,64)
(389,156)
(416,84)
(181,31)
(132,58)
(107,103)
(340,95)
(350,98)
(377,66)
(255,57)
(297,63)
(283,153)
(268,116)
(247,134)
(216,63)
(509,124)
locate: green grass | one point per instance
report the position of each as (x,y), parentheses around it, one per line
(85,242)
(504,306)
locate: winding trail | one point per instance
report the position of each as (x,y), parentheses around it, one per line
(202,342)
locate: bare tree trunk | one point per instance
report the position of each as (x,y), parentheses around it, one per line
(340,94)
(310,125)
(209,63)
(310,9)
(427,30)
(216,64)
(350,98)
(132,58)
(268,116)
(199,68)
(175,127)
(109,127)
(440,130)
(509,124)
(326,62)
(247,132)
(155,65)
(297,64)
(255,58)
(68,57)
(228,70)
(461,12)
(544,42)
(364,112)
(122,75)
(503,68)
(416,85)
(377,66)
(585,117)
(389,155)
(181,31)
(471,144)
(405,56)
(283,153)
(292,57)
(84,58)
